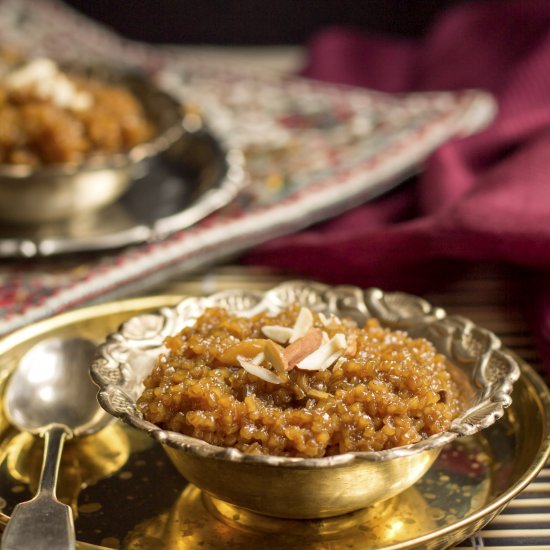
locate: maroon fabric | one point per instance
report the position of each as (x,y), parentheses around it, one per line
(483,198)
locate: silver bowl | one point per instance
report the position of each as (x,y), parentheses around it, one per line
(303,487)
(51,193)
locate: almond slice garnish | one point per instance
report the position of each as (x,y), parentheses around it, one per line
(331,360)
(303,323)
(260,372)
(303,347)
(278,333)
(282,335)
(339,363)
(351,349)
(258,359)
(324,319)
(246,349)
(326,355)
(274,354)
(318,394)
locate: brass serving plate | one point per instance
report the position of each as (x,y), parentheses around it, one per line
(196,176)
(127,495)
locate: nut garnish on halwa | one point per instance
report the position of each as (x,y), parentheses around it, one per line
(49,116)
(299,384)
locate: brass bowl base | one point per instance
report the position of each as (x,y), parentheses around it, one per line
(314,530)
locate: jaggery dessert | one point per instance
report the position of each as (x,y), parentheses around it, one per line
(299,384)
(50,117)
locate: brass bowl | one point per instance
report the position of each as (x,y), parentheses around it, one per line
(51,193)
(298,487)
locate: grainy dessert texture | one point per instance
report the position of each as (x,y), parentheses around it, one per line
(382,390)
(51,117)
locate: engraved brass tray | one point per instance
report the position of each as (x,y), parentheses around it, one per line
(126,494)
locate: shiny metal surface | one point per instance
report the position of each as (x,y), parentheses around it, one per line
(126,494)
(298,487)
(196,176)
(50,394)
(302,493)
(52,193)
(51,386)
(52,521)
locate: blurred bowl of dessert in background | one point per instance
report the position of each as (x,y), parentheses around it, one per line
(72,138)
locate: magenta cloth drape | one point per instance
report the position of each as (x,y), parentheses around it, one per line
(483,198)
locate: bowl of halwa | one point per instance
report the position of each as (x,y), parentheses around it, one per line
(306,401)
(73,138)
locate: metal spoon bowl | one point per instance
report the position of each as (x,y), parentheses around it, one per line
(51,394)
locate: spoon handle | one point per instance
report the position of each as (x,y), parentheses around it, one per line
(54,439)
(43,523)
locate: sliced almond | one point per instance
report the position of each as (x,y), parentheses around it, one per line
(259,372)
(326,355)
(339,362)
(330,360)
(351,349)
(274,354)
(304,346)
(318,394)
(246,348)
(258,359)
(278,333)
(303,323)
(339,341)
(324,319)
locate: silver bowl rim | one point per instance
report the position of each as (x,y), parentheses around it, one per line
(492,369)
(101,161)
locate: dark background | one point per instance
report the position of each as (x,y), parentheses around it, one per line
(249,22)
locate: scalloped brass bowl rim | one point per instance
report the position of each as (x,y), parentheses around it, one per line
(395,309)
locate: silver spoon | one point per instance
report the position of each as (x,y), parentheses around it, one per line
(51,394)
